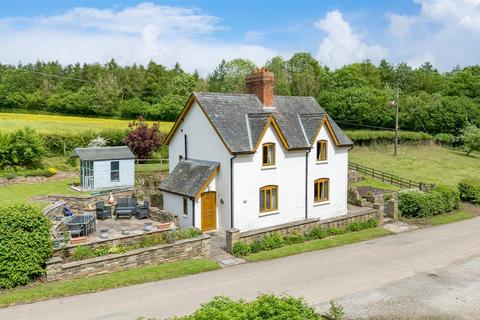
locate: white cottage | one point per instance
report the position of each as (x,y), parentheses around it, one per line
(106,168)
(255,160)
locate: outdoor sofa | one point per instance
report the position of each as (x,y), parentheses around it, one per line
(125,207)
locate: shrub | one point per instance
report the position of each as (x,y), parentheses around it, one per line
(256,246)
(317,233)
(372,223)
(25,244)
(143,140)
(180,234)
(450,196)
(265,306)
(417,204)
(83,252)
(367,137)
(470,190)
(272,241)
(241,249)
(333,231)
(295,237)
(355,226)
(445,139)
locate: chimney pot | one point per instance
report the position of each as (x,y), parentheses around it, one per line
(261,82)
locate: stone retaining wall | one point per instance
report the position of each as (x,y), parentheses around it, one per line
(197,247)
(127,240)
(302,226)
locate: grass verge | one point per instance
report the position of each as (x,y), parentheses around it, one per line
(449,217)
(330,242)
(107,281)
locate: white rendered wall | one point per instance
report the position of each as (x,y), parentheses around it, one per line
(174,203)
(250,176)
(203,144)
(336,169)
(102,170)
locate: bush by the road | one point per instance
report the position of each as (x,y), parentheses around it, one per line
(418,204)
(470,190)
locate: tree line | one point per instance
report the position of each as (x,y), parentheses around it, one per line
(355,95)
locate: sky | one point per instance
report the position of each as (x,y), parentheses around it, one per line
(199,34)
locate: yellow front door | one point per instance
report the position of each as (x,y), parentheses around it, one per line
(209,211)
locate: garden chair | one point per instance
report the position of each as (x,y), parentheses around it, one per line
(142,211)
(103,211)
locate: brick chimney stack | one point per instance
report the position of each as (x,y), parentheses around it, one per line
(261,82)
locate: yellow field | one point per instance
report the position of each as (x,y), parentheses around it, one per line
(52,123)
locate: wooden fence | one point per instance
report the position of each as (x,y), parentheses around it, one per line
(390,178)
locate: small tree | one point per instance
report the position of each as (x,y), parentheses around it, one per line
(470,136)
(143,140)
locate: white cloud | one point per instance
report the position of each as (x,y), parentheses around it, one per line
(444,32)
(341,45)
(165,34)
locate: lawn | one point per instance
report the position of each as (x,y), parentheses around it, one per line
(107,281)
(370,182)
(330,242)
(11,194)
(430,164)
(54,123)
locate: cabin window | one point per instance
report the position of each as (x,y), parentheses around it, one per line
(115,171)
(268,198)
(321,190)
(185,206)
(268,154)
(322,150)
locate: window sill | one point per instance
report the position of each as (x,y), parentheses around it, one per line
(322,162)
(268,213)
(318,204)
(269,167)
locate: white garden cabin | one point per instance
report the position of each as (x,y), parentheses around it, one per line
(106,168)
(255,160)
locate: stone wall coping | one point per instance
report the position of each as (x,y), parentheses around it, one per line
(279,227)
(113,256)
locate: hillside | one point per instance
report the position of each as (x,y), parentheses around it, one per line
(433,164)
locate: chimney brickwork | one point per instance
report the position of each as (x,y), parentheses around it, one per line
(261,82)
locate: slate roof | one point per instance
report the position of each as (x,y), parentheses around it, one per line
(238,118)
(103,153)
(189,176)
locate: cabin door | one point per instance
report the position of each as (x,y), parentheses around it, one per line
(209,211)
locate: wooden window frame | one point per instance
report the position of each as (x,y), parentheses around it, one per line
(185,206)
(268,145)
(263,192)
(117,171)
(316,193)
(322,156)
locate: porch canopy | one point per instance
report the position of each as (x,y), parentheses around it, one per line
(190,177)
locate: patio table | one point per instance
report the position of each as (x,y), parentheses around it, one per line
(82,225)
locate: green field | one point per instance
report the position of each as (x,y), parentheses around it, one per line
(431,164)
(53,123)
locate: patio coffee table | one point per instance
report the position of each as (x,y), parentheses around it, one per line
(82,225)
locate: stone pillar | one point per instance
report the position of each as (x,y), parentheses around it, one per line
(381,209)
(392,209)
(232,237)
(206,246)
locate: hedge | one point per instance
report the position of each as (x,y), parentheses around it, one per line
(418,204)
(366,137)
(265,306)
(25,244)
(470,190)
(64,143)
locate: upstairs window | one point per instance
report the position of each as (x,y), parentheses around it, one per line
(322,150)
(321,190)
(268,154)
(114,171)
(268,198)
